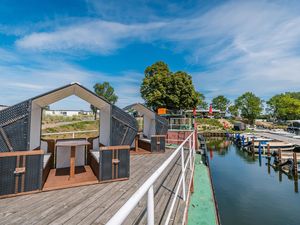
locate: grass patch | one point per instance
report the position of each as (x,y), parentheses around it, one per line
(79,126)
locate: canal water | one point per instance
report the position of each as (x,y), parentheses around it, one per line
(248,192)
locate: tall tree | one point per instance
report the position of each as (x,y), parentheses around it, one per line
(203,104)
(285,106)
(234,111)
(106,91)
(162,88)
(250,106)
(220,102)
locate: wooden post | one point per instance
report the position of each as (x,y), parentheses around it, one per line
(295,163)
(72,162)
(279,155)
(269,158)
(280,175)
(136,143)
(252,148)
(296,183)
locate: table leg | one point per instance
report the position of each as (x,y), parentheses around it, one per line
(136,143)
(72,162)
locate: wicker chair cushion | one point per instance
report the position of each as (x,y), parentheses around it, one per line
(96,154)
(44,146)
(96,144)
(146,140)
(46,159)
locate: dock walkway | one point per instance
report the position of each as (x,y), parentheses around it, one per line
(202,208)
(281,138)
(96,204)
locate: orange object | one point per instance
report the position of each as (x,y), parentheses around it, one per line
(162,111)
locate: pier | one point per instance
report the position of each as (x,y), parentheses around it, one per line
(280,138)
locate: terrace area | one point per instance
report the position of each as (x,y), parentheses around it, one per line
(96,204)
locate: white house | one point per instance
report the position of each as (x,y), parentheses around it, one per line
(3,107)
(62,112)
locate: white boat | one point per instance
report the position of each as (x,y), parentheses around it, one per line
(274,146)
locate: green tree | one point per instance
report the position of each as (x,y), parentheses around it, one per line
(203,104)
(106,91)
(250,106)
(162,88)
(285,106)
(220,102)
(234,111)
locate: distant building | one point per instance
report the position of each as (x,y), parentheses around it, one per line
(67,112)
(3,107)
(205,113)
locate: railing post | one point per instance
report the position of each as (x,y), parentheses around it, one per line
(190,152)
(194,142)
(183,174)
(150,206)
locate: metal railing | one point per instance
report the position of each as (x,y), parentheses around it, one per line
(70,132)
(147,187)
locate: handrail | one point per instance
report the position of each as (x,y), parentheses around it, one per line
(70,132)
(126,209)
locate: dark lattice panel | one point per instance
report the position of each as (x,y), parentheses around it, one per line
(10,114)
(161,125)
(14,122)
(17,134)
(34,172)
(3,146)
(124,127)
(7,177)
(111,171)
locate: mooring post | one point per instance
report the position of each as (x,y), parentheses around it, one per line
(279,155)
(296,183)
(252,148)
(259,149)
(295,163)
(280,175)
(243,141)
(268,150)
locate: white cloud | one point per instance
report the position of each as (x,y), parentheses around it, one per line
(98,36)
(41,74)
(245,45)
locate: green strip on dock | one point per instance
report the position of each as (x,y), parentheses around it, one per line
(202,205)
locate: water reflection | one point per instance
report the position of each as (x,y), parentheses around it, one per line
(244,182)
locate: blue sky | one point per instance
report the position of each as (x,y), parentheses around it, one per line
(229,47)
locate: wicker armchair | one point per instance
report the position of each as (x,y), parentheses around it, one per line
(20,172)
(111,163)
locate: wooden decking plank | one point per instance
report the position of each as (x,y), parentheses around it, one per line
(170,192)
(43,200)
(179,213)
(169,180)
(178,200)
(34,213)
(139,211)
(94,203)
(101,189)
(93,200)
(120,198)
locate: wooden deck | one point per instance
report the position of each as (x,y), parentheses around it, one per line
(95,204)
